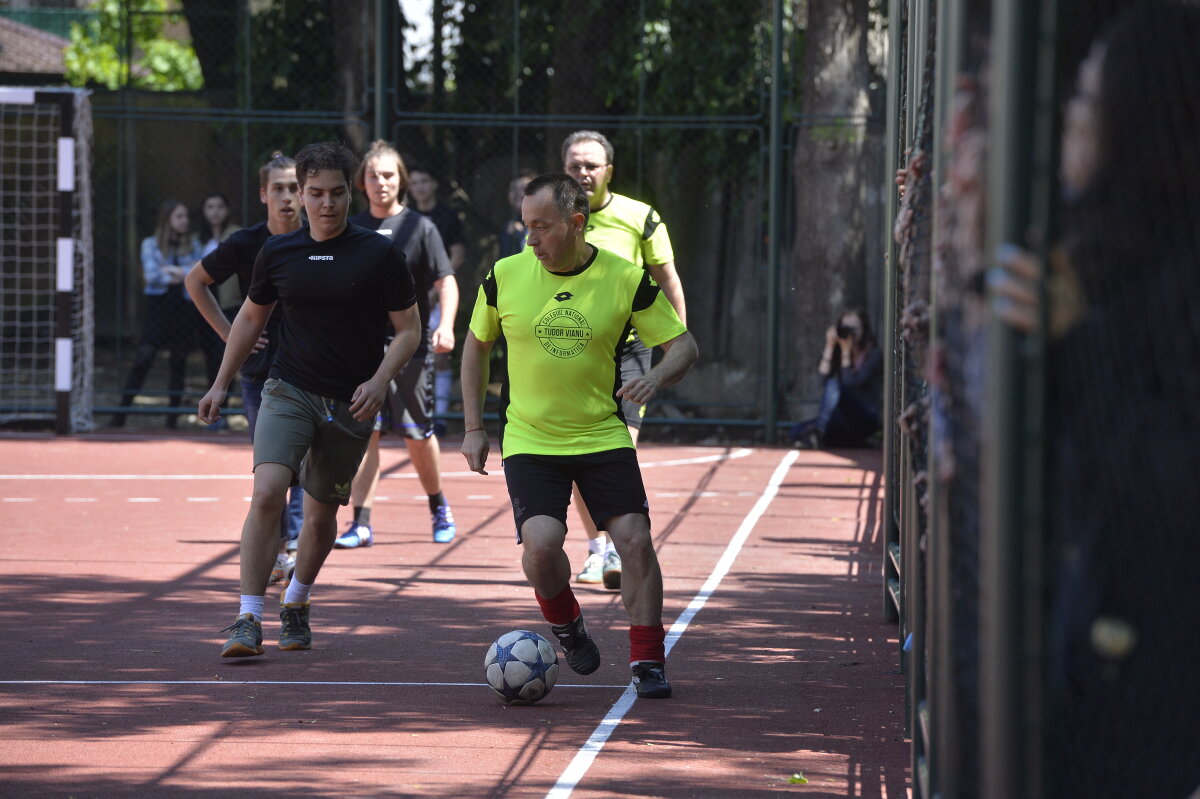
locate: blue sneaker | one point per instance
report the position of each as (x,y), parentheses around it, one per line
(443,525)
(356,535)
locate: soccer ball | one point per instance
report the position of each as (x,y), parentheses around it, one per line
(521,667)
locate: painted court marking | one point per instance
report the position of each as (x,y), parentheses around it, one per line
(579,765)
(278,682)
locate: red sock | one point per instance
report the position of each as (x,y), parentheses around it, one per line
(561,609)
(646,643)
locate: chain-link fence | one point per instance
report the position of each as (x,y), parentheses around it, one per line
(474,93)
(1045,434)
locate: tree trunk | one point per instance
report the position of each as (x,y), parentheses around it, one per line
(832,185)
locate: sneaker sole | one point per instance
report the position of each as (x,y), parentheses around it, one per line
(238,650)
(589,579)
(612,580)
(291,646)
(657,693)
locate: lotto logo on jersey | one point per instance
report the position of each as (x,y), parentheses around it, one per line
(320,257)
(563,332)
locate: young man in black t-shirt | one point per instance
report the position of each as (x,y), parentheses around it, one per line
(340,285)
(408,411)
(234,258)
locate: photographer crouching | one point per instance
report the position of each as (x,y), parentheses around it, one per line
(852,371)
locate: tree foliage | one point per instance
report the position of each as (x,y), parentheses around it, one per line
(97,51)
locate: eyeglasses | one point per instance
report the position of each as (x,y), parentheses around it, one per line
(574,168)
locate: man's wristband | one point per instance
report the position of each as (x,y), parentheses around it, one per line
(472,430)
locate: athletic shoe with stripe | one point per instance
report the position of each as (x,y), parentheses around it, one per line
(593,569)
(356,535)
(294,632)
(650,680)
(583,656)
(443,525)
(245,637)
(612,571)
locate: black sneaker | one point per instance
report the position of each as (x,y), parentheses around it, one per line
(650,679)
(583,656)
(294,632)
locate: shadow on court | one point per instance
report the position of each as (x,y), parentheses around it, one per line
(113,685)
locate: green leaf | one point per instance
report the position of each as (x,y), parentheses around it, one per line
(797,779)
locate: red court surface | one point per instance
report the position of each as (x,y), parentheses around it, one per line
(120,567)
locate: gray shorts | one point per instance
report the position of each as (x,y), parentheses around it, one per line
(315,436)
(408,409)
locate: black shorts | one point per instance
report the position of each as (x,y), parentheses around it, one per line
(610,483)
(635,362)
(408,409)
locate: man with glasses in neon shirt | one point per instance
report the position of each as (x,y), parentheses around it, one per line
(633,230)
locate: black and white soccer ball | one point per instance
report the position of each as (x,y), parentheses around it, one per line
(521,667)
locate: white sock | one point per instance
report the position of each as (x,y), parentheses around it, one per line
(609,548)
(296,592)
(596,545)
(252,605)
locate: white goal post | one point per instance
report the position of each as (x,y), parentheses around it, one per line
(46,283)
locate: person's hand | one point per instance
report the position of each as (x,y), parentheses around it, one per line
(640,390)
(1013,288)
(209,409)
(174,274)
(368,399)
(831,337)
(475,448)
(442,339)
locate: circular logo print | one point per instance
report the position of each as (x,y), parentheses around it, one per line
(563,332)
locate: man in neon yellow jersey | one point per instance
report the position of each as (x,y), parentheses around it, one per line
(564,307)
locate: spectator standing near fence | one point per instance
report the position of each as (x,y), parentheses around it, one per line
(408,411)
(1123,414)
(634,231)
(563,305)
(166,323)
(234,257)
(340,286)
(423,187)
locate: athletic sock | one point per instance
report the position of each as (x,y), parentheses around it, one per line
(296,592)
(646,643)
(252,605)
(362,515)
(560,609)
(596,545)
(609,548)
(436,501)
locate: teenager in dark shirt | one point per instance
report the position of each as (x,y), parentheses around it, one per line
(234,257)
(340,285)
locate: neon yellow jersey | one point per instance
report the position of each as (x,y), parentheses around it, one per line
(631,229)
(562,332)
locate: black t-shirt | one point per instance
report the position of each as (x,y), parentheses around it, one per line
(336,295)
(448,224)
(234,257)
(423,251)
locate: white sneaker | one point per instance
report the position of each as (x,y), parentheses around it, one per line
(593,569)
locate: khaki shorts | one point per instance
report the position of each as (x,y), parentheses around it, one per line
(315,436)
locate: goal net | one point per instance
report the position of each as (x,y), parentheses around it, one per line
(46,288)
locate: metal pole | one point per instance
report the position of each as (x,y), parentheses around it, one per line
(1009,693)
(381,7)
(774,222)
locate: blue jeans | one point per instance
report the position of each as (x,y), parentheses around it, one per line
(844,420)
(293,512)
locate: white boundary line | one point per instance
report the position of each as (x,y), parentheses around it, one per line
(720,456)
(579,765)
(274,682)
